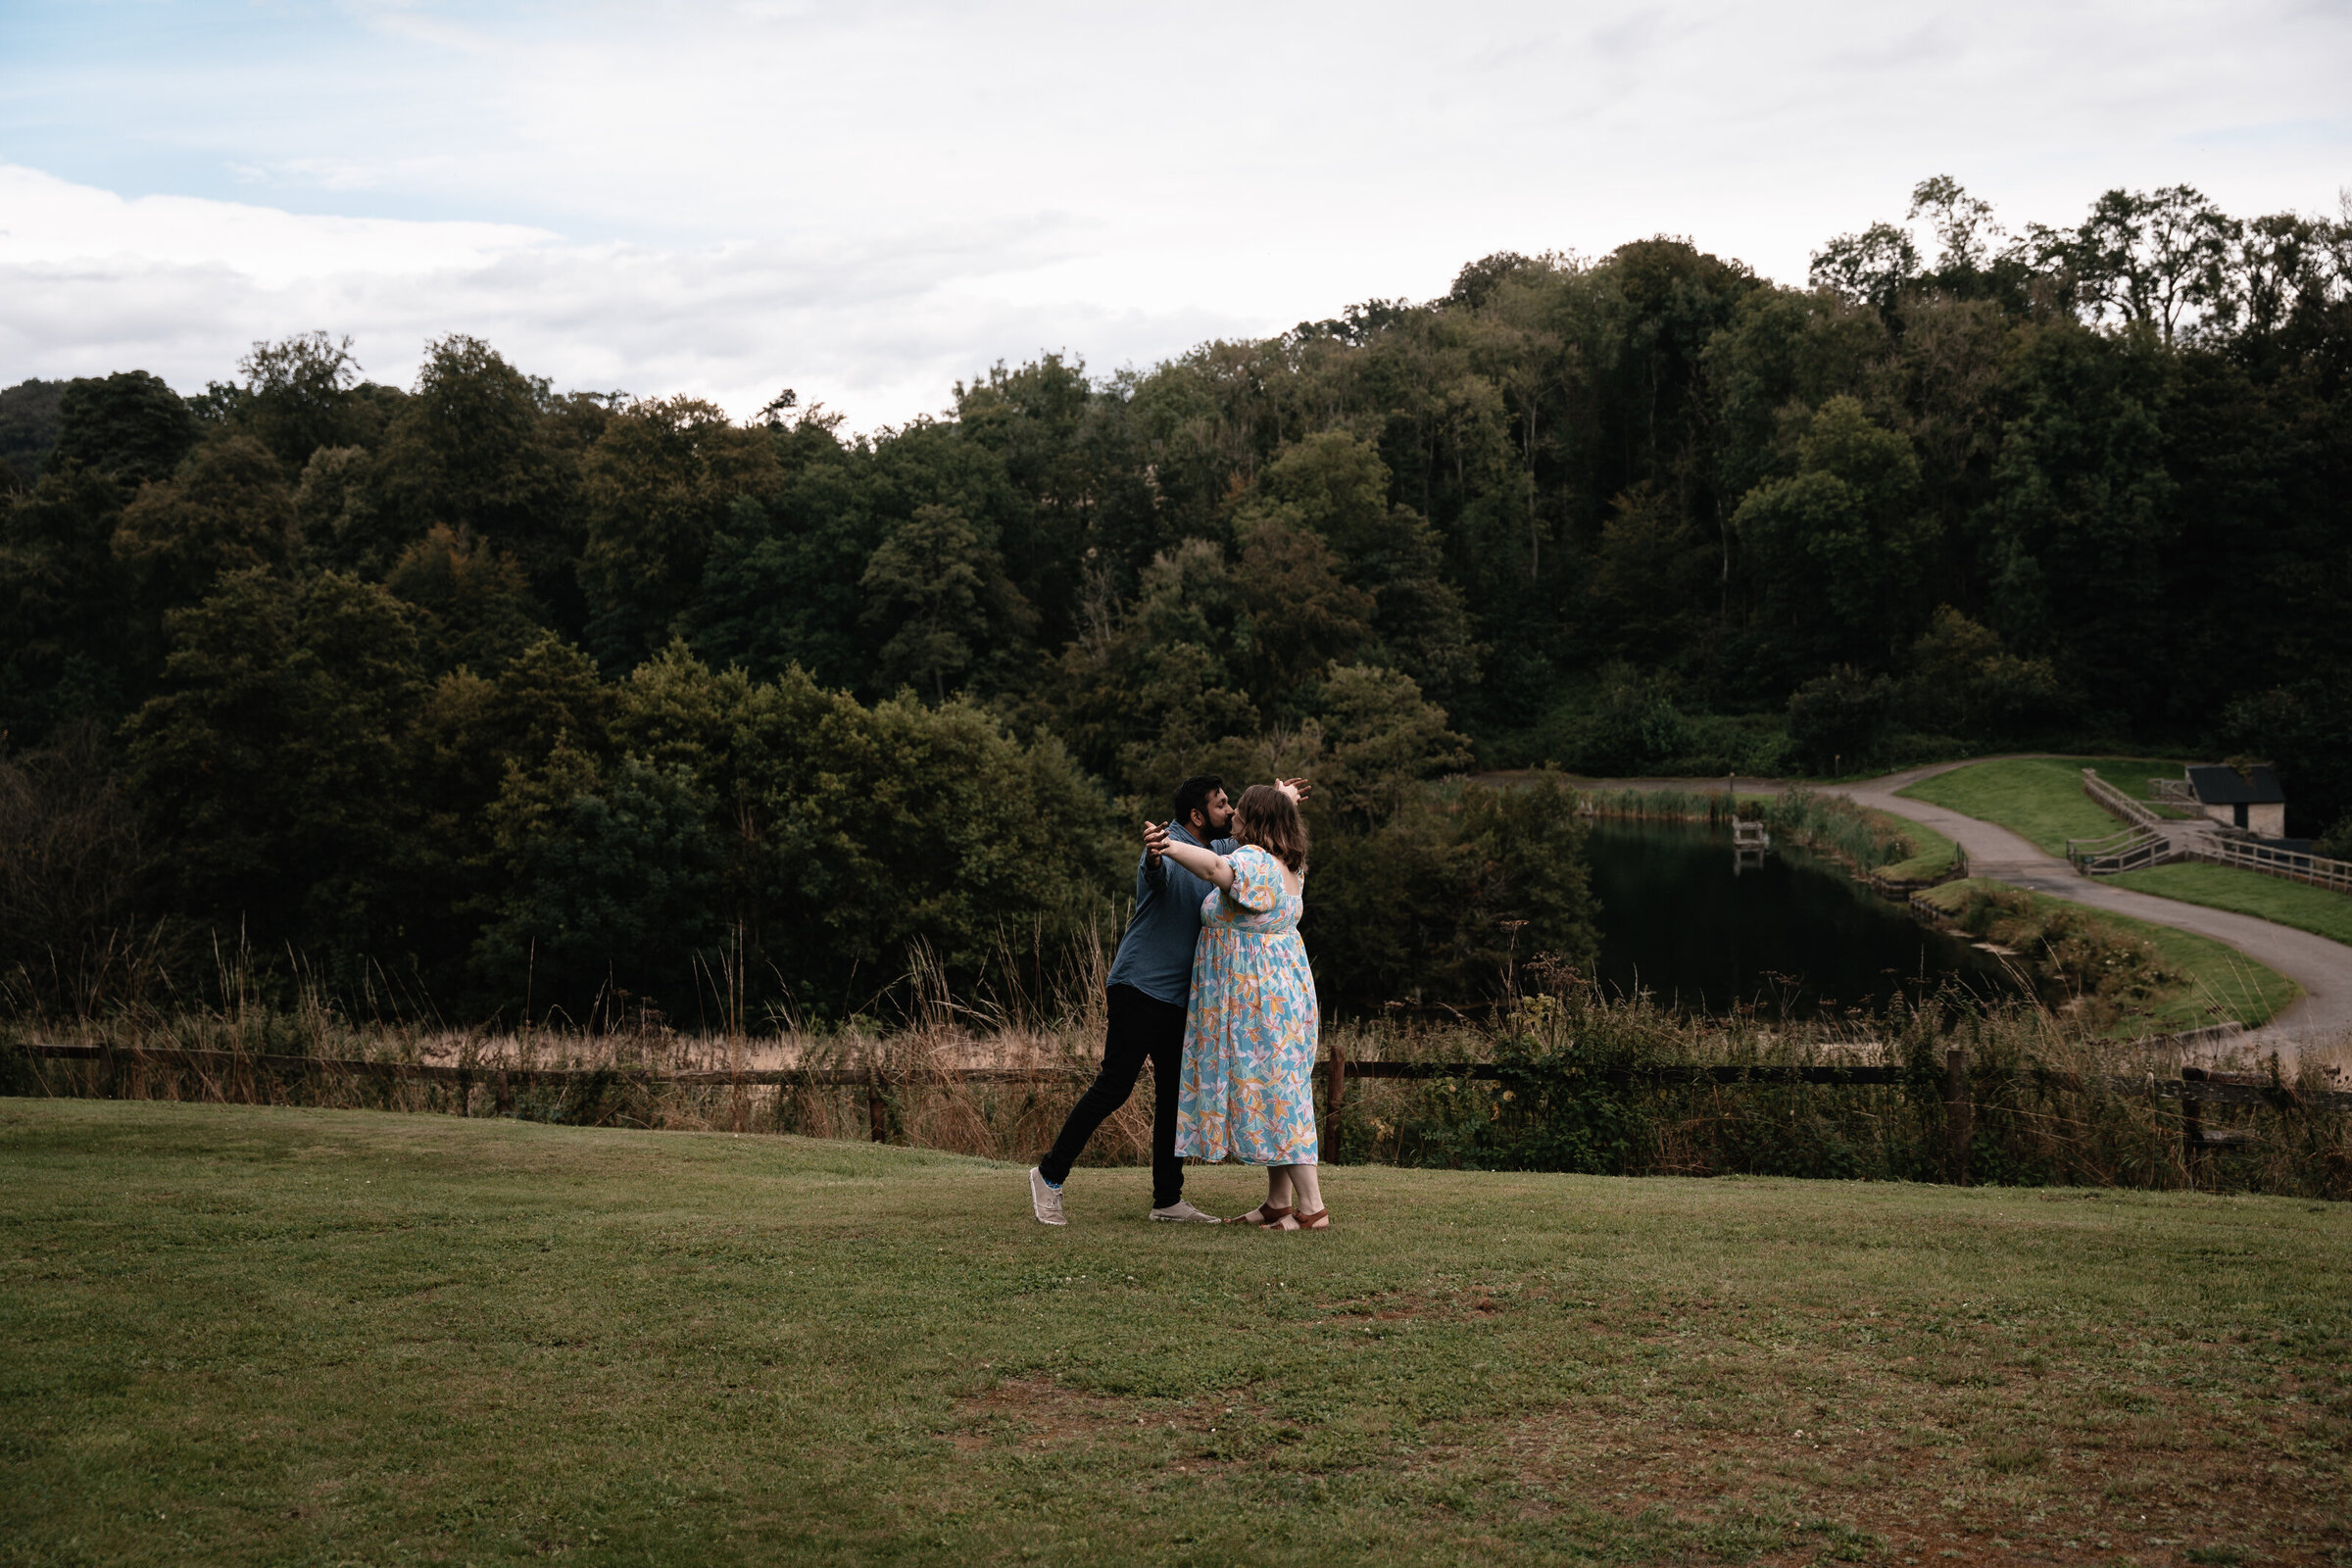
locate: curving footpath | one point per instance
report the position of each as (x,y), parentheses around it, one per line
(2322,968)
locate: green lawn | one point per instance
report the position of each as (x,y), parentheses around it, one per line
(2229,887)
(2223,984)
(1935,858)
(265,1336)
(2039,798)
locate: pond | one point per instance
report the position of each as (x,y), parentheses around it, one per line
(1789,932)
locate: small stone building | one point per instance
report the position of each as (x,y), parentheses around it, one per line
(2252,800)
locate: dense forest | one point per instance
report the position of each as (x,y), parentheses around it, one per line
(487,695)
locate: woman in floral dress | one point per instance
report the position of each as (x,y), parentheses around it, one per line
(1246,1092)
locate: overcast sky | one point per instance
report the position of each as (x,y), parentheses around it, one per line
(868,201)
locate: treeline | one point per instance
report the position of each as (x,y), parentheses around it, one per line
(527,693)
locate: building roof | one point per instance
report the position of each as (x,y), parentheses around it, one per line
(2221,786)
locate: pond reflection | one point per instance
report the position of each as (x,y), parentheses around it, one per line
(1705,930)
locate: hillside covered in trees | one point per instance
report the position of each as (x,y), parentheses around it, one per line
(479,691)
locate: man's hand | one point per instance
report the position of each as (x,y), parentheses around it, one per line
(1297,789)
(1155,839)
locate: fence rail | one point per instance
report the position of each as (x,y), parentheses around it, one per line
(2129,850)
(2316,869)
(2115,803)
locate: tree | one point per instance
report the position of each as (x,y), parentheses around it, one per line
(938,589)
(610,883)
(297,396)
(1842,548)
(270,767)
(227,511)
(1963,682)
(2151,259)
(1335,486)
(1379,738)
(1838,722)
(1963,223)
(28,427)
(70,858)
(477,602)
(1297,614)
(65,652)
(2080,517)
(1872,267)
(658,483)
(129,427)
(488,451)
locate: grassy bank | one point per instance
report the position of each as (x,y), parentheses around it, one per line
(1875,844)
(2229,886)
(274,1336)
(2214,982)
(2039,798)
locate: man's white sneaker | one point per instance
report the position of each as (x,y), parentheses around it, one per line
(1181,1212)
(1044,1200)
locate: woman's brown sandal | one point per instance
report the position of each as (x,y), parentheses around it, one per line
(1264,1217)
(1319,1220)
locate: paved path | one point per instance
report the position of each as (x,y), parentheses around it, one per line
(2322,968)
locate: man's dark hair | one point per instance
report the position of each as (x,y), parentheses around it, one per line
(1193,795)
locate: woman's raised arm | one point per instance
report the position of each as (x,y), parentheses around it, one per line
(1205,864)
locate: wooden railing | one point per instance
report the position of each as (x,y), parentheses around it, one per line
(2316,869)
(2115,803)
(2172,791)
(2130,850)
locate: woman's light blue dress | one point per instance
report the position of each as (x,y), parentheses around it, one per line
(1246,1090)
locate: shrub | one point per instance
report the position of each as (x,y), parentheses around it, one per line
(2079,960)
(1839,721)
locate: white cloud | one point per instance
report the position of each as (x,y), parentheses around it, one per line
(91,282)
(868,201)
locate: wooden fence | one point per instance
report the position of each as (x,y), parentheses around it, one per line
(2196,1089)
(2316,869)
(2145,842)
(2130,849)
(2117,804)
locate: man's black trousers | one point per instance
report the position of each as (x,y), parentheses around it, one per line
(1142,1028)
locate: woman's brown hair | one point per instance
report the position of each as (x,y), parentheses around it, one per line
(1270,819)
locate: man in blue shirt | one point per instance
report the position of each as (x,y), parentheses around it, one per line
(1150,981)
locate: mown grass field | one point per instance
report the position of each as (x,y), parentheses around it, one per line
(2039,798)
(2229,886)
(271,1336)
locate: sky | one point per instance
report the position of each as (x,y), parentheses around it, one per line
(869,202)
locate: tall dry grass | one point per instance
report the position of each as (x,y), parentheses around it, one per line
(2048,1104)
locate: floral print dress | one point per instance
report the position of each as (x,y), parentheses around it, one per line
(1246,1090)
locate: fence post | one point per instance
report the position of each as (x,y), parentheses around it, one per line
(2193,1125)
(877,1114)
(1959,1116)
(1336,1083)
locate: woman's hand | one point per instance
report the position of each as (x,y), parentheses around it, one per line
(1297,789)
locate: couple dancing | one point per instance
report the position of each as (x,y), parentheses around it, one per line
(1211,986)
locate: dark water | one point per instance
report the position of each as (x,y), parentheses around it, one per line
(1795,936)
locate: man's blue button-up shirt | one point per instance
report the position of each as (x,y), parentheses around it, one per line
(1155,955)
